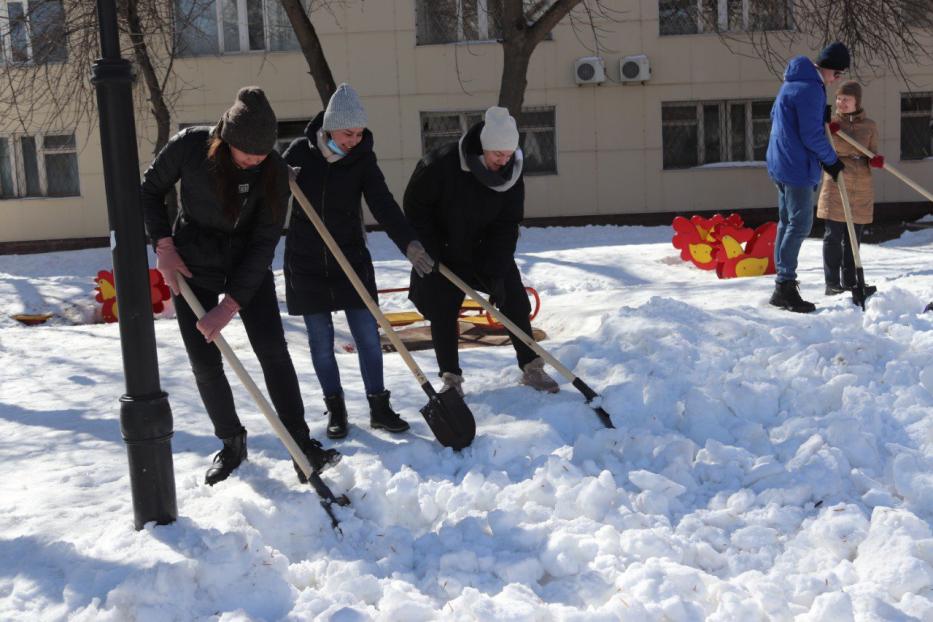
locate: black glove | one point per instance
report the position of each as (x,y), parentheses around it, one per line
(834,169)
(827,114)
(496,291)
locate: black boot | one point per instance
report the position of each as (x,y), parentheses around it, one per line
(319,457)
(835,290)
(227,459)
(381,415)
(787,296)
(337,417)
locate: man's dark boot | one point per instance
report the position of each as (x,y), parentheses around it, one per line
(381,415)
(227,459)
(787,296)
(319,457)
(337,417)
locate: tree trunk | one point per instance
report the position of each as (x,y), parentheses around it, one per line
(519,40)
(160,109)
(311,48)
(515,59)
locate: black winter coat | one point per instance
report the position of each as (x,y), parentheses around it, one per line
(314,282)
(458,216)
(223,256)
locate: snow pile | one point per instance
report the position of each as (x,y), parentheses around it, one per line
(765,465)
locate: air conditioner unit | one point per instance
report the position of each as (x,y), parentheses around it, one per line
(589,70)
(634,68)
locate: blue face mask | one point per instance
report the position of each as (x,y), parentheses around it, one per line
(333,147)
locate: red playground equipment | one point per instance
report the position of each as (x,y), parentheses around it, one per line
(716,244)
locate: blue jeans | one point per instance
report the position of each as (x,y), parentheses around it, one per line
(369,349)
(795,219)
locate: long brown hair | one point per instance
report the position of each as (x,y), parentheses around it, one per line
(225,179)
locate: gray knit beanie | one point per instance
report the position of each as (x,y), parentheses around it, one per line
(344,110)
(249,124)
(499,131)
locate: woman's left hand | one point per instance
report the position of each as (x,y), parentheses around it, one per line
(217,318)
(419,258)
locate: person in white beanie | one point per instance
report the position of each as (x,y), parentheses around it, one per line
(466,201)
(338,169)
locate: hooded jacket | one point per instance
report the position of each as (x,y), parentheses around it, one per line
(857,174)
(314,281)
(223,256)
(798,140)
(465,215)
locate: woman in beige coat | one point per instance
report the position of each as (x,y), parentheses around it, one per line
(838,263)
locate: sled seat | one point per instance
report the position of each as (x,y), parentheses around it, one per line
(470,311)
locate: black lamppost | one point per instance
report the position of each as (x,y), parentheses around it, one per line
(145,414)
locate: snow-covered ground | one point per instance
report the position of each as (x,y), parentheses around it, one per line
(765,466)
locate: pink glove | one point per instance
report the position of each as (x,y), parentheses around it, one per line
(214,320)
(169,262)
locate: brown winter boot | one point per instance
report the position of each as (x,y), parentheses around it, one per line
(534,376)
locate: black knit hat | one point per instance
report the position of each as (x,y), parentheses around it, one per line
(834,56)
(249,124)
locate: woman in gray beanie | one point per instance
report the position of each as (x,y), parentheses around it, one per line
(234,193)
(339,169)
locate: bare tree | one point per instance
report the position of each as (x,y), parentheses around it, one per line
(880,34)
(518,25)
(50,46)
(311,48)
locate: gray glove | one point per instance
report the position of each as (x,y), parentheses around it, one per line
(419,258)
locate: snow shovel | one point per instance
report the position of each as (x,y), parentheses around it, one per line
(904,178)
(448,416)
(578,384)
(327,497)
(859,292)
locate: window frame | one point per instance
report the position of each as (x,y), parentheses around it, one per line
(722,19)
(919,114)
(483,23)
(18,164)
(727,159)
(465,125)
(242,29)
(6,36)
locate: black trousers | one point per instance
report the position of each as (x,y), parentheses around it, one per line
(264,328)
(838,262)
(439,301)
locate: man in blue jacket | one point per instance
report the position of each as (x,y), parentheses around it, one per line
(797,149)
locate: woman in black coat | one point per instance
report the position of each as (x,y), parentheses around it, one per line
(338,169)
(466,201)
(234,194)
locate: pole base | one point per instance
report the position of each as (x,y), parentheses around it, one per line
(146,424)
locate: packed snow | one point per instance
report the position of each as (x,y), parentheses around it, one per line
(765,465)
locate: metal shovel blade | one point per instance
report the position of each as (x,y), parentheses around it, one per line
(450,419)
(860,292)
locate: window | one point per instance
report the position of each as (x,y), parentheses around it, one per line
(916,126)
(537,135)
(205,27)
(33,31)
(39,166)
(289,131)
(686,17)
(698,133)
(448,21)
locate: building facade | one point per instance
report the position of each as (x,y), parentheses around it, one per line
(671,120)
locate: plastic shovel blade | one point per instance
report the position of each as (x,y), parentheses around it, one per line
(450,419)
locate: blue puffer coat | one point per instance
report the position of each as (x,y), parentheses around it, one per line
(798,140)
